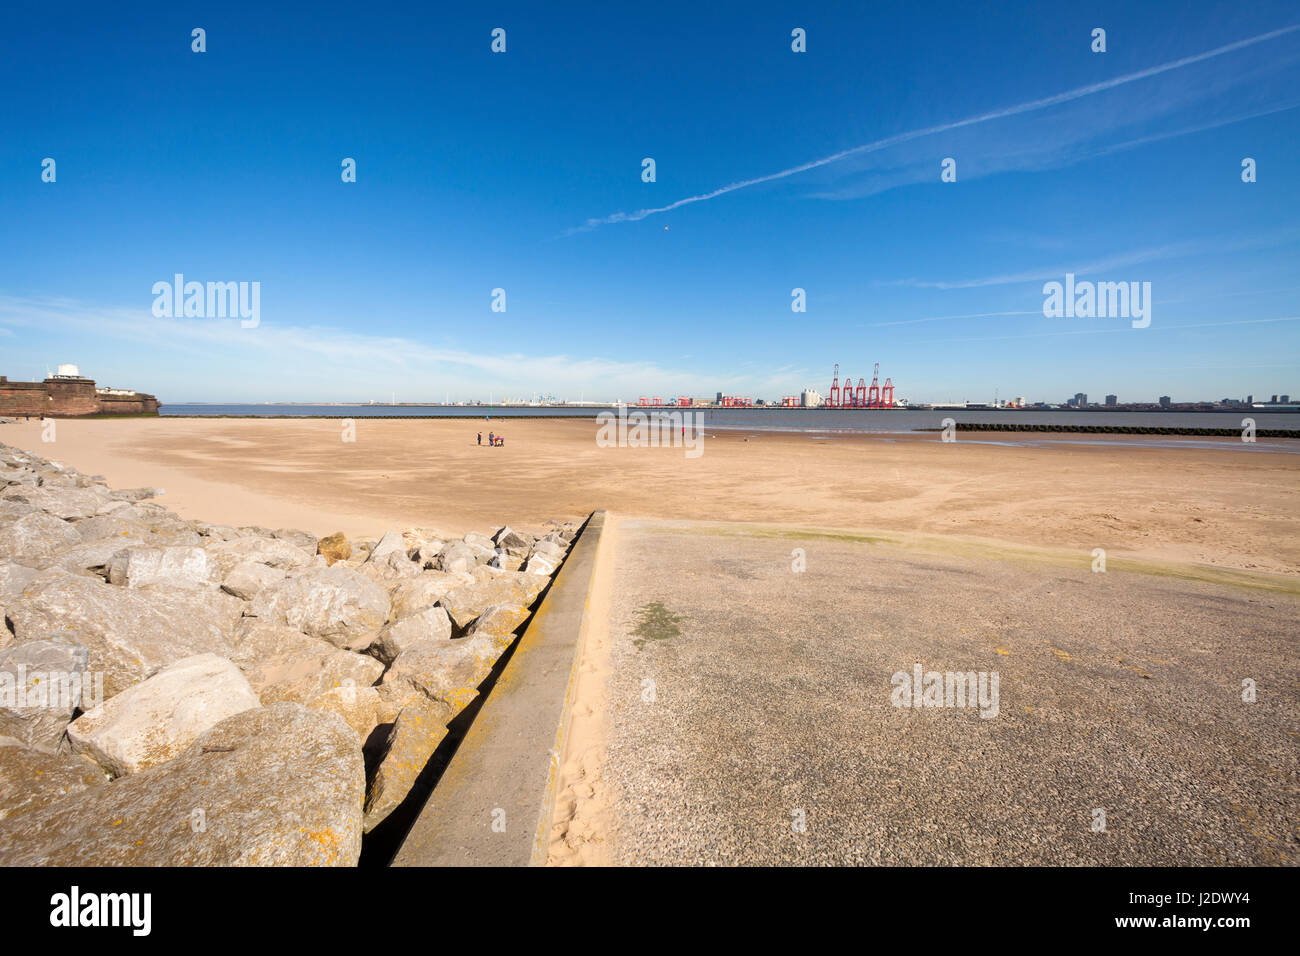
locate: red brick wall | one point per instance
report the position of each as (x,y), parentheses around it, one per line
(72,396)
(69,397)
(138,404)
(22,398)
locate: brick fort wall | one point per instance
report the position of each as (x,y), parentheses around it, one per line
(68,397)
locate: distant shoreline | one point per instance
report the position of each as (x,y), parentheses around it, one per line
(1085,428)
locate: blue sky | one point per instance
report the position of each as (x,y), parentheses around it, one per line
(522,171)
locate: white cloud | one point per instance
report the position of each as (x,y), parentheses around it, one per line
(970,121)
(204,356)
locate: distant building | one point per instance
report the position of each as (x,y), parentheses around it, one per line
(1274,400)
(719,399)
(1112,401)
(1164,401)
(1080,400)
(1250,399)
(810,398)
(1286,399)
(68,395)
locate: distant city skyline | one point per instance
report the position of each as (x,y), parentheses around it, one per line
(500,237)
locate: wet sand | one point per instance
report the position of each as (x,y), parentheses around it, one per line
(1211,503)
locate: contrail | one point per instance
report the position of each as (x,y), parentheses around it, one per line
(879,144)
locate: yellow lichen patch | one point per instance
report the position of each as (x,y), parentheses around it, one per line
(1062,654)
(327,839)
(1002,651)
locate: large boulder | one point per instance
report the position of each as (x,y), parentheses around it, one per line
(172,567)
(14,579)
(529,583)
(31,779)
(414,595)
(334,547)
(541,565)
(34,539)
(479,541)
(42,683)
(513,542)
(112,526)
(457,556)
(275,552)
(129,633)
(299,539)
(69,503)
(416,733)
(157,529)
(136,494)
(465,603)
(426,553)
(446,672)
(250,578)
(432,622)
(335,604)
(391,543)
(506,561)
(549,549)
(95,555)
(393,566)
(17,478)
(500,620)
(11,510)
(359,706)
(282,664)
(155,720)
(274,786)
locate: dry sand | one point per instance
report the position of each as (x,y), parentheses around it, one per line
(1224,506)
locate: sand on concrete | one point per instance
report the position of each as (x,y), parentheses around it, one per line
(579,827)
(1217,505)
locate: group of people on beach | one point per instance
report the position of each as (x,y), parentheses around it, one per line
(495,440)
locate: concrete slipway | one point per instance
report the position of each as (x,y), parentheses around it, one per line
(494,803)
(773,734)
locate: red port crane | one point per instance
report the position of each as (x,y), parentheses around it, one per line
(873,394)
(887,393)
(833,399)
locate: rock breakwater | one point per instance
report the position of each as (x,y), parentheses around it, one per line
(175,692)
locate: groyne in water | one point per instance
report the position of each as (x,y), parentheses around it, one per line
(1116,430)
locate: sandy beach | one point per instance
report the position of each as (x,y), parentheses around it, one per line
(1220,505)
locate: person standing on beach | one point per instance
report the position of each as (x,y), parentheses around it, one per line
(480,438)
(492,440)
